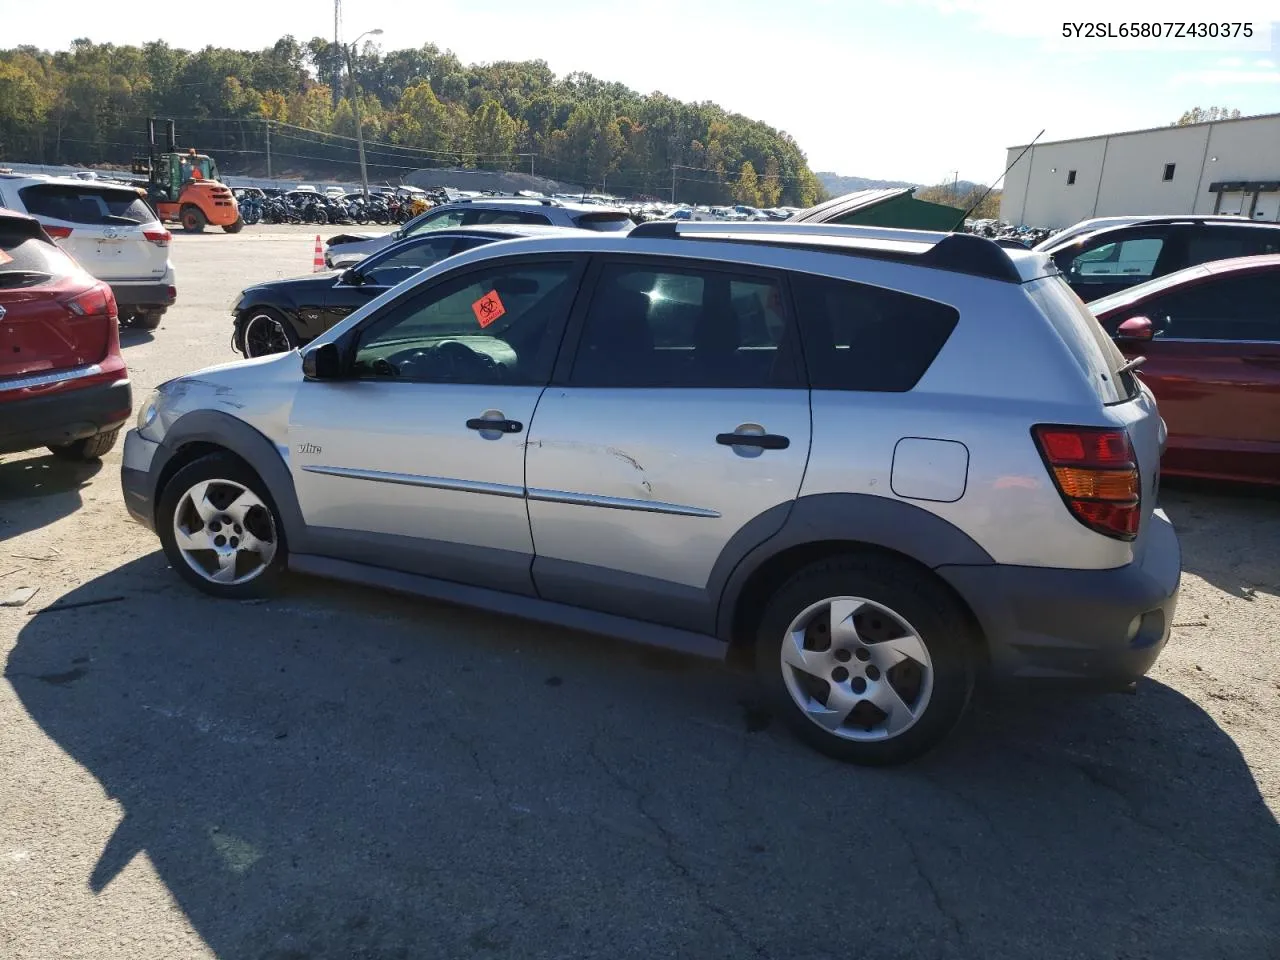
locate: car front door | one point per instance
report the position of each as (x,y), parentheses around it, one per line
(1099,266)
(1214,367)
(680,418)
(358,285)
(414,458)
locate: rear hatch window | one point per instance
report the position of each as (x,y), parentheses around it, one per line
(88,204)
(613,221)
(1099,358)
(26,260)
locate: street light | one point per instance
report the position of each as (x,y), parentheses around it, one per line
(355,105)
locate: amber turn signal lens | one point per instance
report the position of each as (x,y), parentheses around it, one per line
(1085,484)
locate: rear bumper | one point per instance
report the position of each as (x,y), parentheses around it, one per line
(135,478)
(151,294)
(1097,627)
(54,419)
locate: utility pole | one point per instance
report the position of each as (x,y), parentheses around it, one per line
(531,156)
(355,107)
(673,183)
(268,137)
(337,61)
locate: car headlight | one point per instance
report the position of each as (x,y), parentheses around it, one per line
(148,412)
(235,302)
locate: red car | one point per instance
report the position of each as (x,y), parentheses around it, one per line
(1211,336)
(63,382)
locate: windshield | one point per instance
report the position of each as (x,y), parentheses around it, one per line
(605,222)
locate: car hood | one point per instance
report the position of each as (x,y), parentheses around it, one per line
(296,285)
(259,391)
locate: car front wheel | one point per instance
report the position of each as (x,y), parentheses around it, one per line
(868,658)
(220,528)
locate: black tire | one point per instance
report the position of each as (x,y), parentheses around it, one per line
(255,342)
(193,219)
(90,448)
(235,227)
(220,466)
(909,592)
(146,319)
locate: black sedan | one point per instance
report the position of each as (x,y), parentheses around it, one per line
(280,315)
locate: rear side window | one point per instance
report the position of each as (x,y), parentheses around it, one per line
(92,205)
(1131,260)
(613,222)
(1099,359)
(26,262)
(1217,243)
(486,217)
(859,337)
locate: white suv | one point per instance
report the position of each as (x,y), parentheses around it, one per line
(110,230)
(878,462)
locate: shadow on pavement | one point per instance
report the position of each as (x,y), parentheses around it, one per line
(1229,533)
(37,490)
(136,337)
(341,774)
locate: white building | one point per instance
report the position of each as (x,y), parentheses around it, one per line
(1227,166)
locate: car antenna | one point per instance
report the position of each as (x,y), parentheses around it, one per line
(977,203)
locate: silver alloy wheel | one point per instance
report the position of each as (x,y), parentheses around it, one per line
(264,335)
(224,531)
(857,669)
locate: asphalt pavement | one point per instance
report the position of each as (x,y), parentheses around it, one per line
(337,773)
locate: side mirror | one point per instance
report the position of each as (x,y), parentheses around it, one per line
(322,363)
(351,277)
(1136,328)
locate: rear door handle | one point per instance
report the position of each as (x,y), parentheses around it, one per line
(766,441)
(502,426)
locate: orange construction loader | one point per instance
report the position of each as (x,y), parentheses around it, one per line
(184,187)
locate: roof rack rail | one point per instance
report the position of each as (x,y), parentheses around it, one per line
(957,252)
(544,201)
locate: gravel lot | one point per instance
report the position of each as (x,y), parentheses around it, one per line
(342,774)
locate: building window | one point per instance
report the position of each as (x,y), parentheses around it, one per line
(1168,171)
(1071,177)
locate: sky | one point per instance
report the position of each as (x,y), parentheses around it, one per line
(919,90)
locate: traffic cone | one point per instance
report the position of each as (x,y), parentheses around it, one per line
(317,261)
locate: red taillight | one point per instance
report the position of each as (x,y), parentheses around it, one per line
(1096,473)
(58,233)
(97,301)
(159,237)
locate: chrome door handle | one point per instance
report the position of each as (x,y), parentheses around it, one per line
(766,441)
(501,426)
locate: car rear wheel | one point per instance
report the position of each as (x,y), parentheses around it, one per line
(264,331)
(90,448)
(868,659)
(193,220)
(220,528)
(146,319)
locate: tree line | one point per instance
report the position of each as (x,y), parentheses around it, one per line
(418,108)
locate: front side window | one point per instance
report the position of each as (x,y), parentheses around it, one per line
(497,325)
(1226,308)
(486,217)
(442,220)
(860,337)
(398,265)
(1131,260)
(676,326)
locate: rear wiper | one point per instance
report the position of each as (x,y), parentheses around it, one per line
(1132,365)
(125,221)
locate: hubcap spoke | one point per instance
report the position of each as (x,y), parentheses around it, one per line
(843,632)
(265,549)
(240,506)
(840,701)
(226,571)
(890,653)
(794,654)
(898,716)
(199,497)
(193,539)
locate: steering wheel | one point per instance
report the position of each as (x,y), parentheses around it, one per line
(448,360)
(385,369)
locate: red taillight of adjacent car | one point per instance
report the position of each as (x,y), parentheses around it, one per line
(1095,470)
(97,301)
(58,233)
(160,237)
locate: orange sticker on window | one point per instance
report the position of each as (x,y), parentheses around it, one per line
(488,308)
(4,257)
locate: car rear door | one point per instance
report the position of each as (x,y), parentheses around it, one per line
(104,228)
(1214,367)
(679,419)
